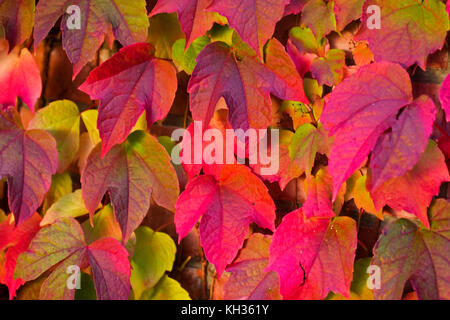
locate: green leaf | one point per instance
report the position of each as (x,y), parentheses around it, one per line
(90,121)
(61,186)
(185,60)
(105,225)
(164,31)
(71,205)
(51,245)
(87,290)
(306,143)
(319,16)
(154,254)
(62,120)
(166,289)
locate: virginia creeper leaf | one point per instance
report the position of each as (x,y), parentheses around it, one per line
(110,269)
(154,254)
(166,289)
(19,78)
(306,143)
(15,240)
(248,278)
(28,158)
(346,11)
(254,20)
(319,190)
(318,15)
(406,251)
(409,31)
(185,60)
(71,205)
(17,18)
(244,84)
(131,173)
(414,190)
(62,120)
(295,7)
(398,151)
(194,19)
(313,256)
(444,95)
(128,19)
(330,69)
(227,203)
(164,31)
(359,110)
(129,83)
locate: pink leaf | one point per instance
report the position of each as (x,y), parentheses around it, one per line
(227,203)
(445,95)
(19,78)
(110,269)
(254,20)
(295,7)
(194,20)
(359,110)
(398,151)
(129,83)
(414,190)
(313,256)
(28,159)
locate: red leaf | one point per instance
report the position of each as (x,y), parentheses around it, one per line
(17,18)
(398,151)
(19,78)
(244,84)
(295,7)
(110,269)
(194,20)
(15,240)
(248,279)
(131,82)
(359,110)
(410,30)
(227,203)
(128,18)
(414,190)
(28,159)
(254,20)
(313,256)
(131,173)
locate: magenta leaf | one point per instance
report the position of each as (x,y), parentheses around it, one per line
(28,159)
(313,256)
(227,204)
(131,82)
(19,78)
(444,96)
(414,190)
(398,151)
(359,110)
(110,269)
(254,20)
